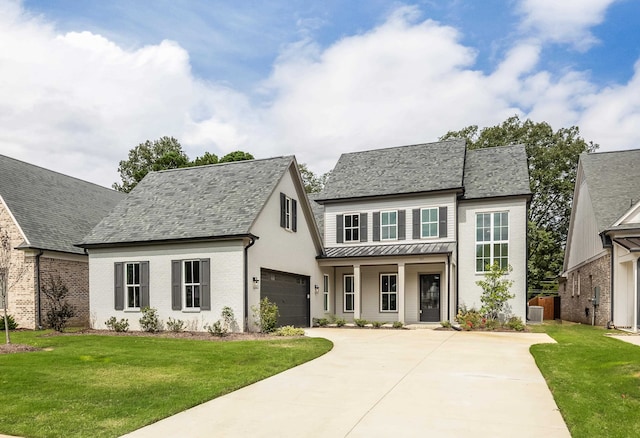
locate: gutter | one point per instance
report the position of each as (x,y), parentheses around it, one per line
(38,292)
(252,241)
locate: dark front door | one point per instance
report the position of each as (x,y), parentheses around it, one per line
(430,298)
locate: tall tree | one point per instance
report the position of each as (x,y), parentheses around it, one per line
(312,183)
(236,156)
(553,161)
(207,158)
(164,153)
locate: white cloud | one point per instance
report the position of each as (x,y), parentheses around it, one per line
(564,21)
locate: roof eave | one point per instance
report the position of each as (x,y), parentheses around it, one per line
(390,195)
(166,241)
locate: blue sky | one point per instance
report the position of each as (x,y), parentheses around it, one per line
(82,82)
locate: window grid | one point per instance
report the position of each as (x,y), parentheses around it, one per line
(132,285)
(429,222)
(349,293)
(388,293)
(492,240)
(389,225)
(287,213)
(192,284)
(351,227)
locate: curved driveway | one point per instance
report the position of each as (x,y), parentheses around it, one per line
(400,383)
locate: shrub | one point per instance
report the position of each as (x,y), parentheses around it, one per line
(59,310)
(10,322)
(470,319)
(515,323)
(340,322)
(332,319)
(216,329)
(228,318)
(150,321)
(495,291)
(376,324)
(492,324)
(398,324)
(360,322)
(323,322)
(175,325)
(289,330)
(266,315)
(117,326)
(445,324)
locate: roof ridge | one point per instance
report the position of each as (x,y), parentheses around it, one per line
(504,146)
(450,140)
(223,164)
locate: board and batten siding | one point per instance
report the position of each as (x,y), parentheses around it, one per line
(584,240)
(376,206)
(469,291)
(226,281)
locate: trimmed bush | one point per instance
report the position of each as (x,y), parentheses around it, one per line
(515,323)
(150,321)
(340,322)
(360,322)
(289,330)
(376,324)
(266,315)
(176,325)
(398,324)
(117,326)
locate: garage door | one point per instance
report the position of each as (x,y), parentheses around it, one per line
(290,292)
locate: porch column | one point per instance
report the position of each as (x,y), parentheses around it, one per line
(401,313)
(356,291)
(635,295)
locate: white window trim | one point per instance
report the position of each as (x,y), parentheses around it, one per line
(394,226)
(422,222)
(394,274)
(288,222)
(491,242)
(185,307)
(325,293)
(344,228)
(128,285)
(344,293)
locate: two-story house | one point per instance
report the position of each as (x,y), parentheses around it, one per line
(409,230)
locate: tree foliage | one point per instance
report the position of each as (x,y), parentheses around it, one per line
(495,291)
(312,183)
(59,309)
(162,154)
(553,161)
(5,261)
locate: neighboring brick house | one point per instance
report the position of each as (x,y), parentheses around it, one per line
(603,242)
(45,213)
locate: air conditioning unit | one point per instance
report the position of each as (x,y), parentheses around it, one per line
(536,313)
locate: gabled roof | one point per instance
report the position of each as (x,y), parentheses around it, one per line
(400,170)
(613,179)
(216,201)
(318,212)
(53,210)
(495,172)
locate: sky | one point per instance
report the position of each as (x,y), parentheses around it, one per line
(83,82)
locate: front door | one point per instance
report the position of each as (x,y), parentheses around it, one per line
(430,297)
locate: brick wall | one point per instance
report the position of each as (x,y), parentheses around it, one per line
(573,305)
(74,275)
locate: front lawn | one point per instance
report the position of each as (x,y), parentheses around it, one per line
(594,379)
(105,386)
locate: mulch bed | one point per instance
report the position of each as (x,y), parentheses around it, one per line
(16,348)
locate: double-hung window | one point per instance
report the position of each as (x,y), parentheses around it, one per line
(492,240)
(132,285)
(389,225)
(349,293)
(352,227)
(192,284)
(429,222)
(288,215)
(389,293)
(325,292)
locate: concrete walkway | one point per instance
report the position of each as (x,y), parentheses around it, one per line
(632,339)
(400,383)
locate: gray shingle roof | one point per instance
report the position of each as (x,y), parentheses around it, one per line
(318,212)
(198,202)
(613,179)
(405,169)
(54,211)
(496,171)
(389,250)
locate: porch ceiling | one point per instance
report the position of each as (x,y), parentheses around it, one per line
(389,250)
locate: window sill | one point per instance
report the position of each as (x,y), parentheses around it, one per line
(191,310)
(388,311)
(132,310)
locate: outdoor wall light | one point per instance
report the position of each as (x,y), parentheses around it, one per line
(255,281)
(316,288)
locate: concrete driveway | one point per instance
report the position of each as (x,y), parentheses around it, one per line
(400,383)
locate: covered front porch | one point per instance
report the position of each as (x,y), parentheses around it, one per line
(626,282)
(386,283)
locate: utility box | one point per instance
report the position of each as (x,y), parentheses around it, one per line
(596,296)
(536,313)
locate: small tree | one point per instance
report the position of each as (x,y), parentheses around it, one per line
(266,315)
(5,260)
(60,311)
(495,290)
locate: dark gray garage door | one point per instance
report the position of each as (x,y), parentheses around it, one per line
(290,292)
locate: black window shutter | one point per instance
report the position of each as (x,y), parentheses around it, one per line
(401,225)
(416,223)
(376,226)
(118,286)
(176,285)
(339,228)
(363,227)
(205,284)
(442,222)
(294,215)
(144,284)
(283,210)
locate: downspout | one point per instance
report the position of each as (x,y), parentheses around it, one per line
(38,298)
(252,241)
(611,281)
(449,287)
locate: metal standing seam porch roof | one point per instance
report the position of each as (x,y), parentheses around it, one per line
(414,249)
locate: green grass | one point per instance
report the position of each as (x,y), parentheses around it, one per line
(104,386)
(594,379)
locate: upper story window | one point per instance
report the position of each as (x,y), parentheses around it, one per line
(132,285)
(288,213)
(429,222)
(389,225)
(492,240)
(352,227)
